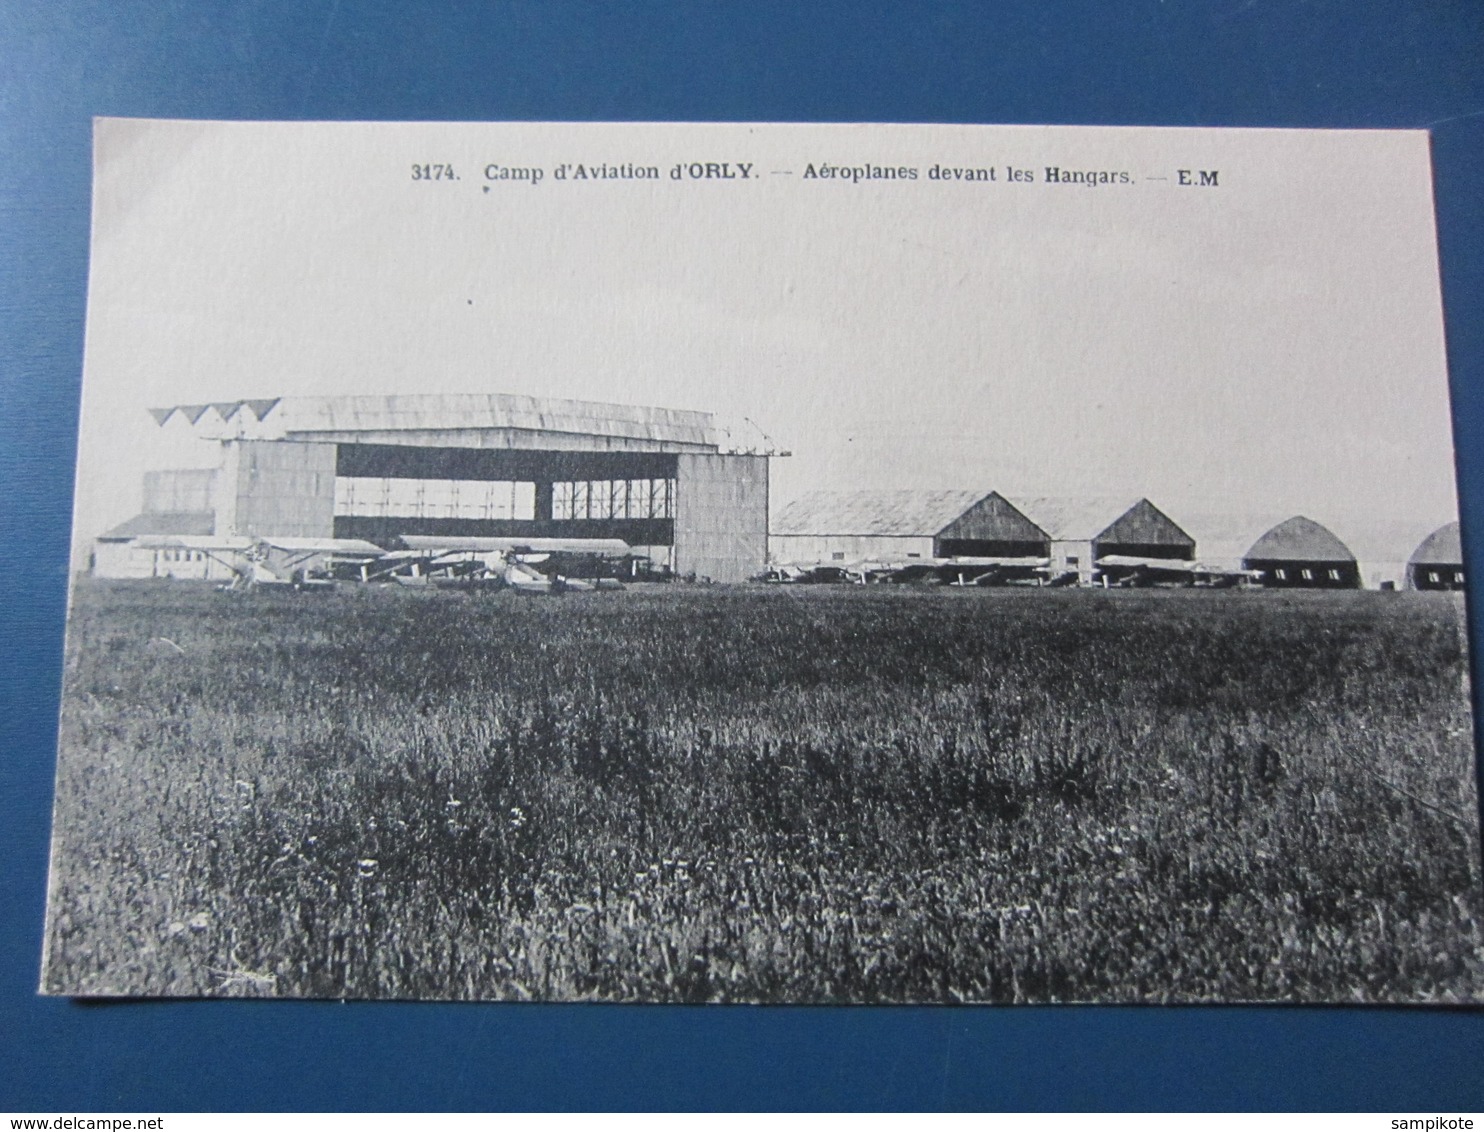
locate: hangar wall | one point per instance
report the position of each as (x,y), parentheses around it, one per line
(802,549)
(992,527)
(721,516)
(180,490)
(1073,556)
(277,487)
(1146,531)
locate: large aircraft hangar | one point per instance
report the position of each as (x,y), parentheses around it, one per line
(379,467)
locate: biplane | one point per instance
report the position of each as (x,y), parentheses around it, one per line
(1126,570)
(286,561)
(981,571)
(816,573)
(957,571)
(524,565)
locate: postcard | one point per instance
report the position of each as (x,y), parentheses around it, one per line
(765,563)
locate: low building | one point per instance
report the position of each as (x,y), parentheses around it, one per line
(117,553)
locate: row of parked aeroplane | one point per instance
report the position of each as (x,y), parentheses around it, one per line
(1113,569)
(523,565)
(556,565)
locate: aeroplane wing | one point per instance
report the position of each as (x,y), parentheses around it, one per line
(598,547)
(1172,566)
(1027,563)
(230,551)
(1134,562)
(226,544)
(342,547)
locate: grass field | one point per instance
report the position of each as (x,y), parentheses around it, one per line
(820,794)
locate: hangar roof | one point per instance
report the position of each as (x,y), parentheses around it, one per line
(1227,537)
(1074,519)
(1443,546)
(162,523)
(928,513)
(303,416)
(899,513)
(1299,539)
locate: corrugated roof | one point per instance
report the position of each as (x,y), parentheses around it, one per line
(1073,519)
(887,513)
(163,523)
(1299,539)
(421,411)
(1444,547)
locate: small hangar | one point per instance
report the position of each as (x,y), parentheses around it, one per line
(825,526)
(1300,553)
(1079,531)
(1072,534)
(379,467)
(1437,564)
(1288,553)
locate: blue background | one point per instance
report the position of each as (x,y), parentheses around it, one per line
(1229,63)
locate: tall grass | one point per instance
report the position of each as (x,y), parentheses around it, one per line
(879,795)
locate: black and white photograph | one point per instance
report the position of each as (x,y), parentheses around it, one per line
(702,563)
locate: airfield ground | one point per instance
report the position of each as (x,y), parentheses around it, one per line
(767,793)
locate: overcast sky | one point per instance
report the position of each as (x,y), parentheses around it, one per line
(1270,344)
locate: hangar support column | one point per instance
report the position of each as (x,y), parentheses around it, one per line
(545,494)
(721,515)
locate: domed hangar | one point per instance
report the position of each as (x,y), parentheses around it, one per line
(1437,564)
(1301,553)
